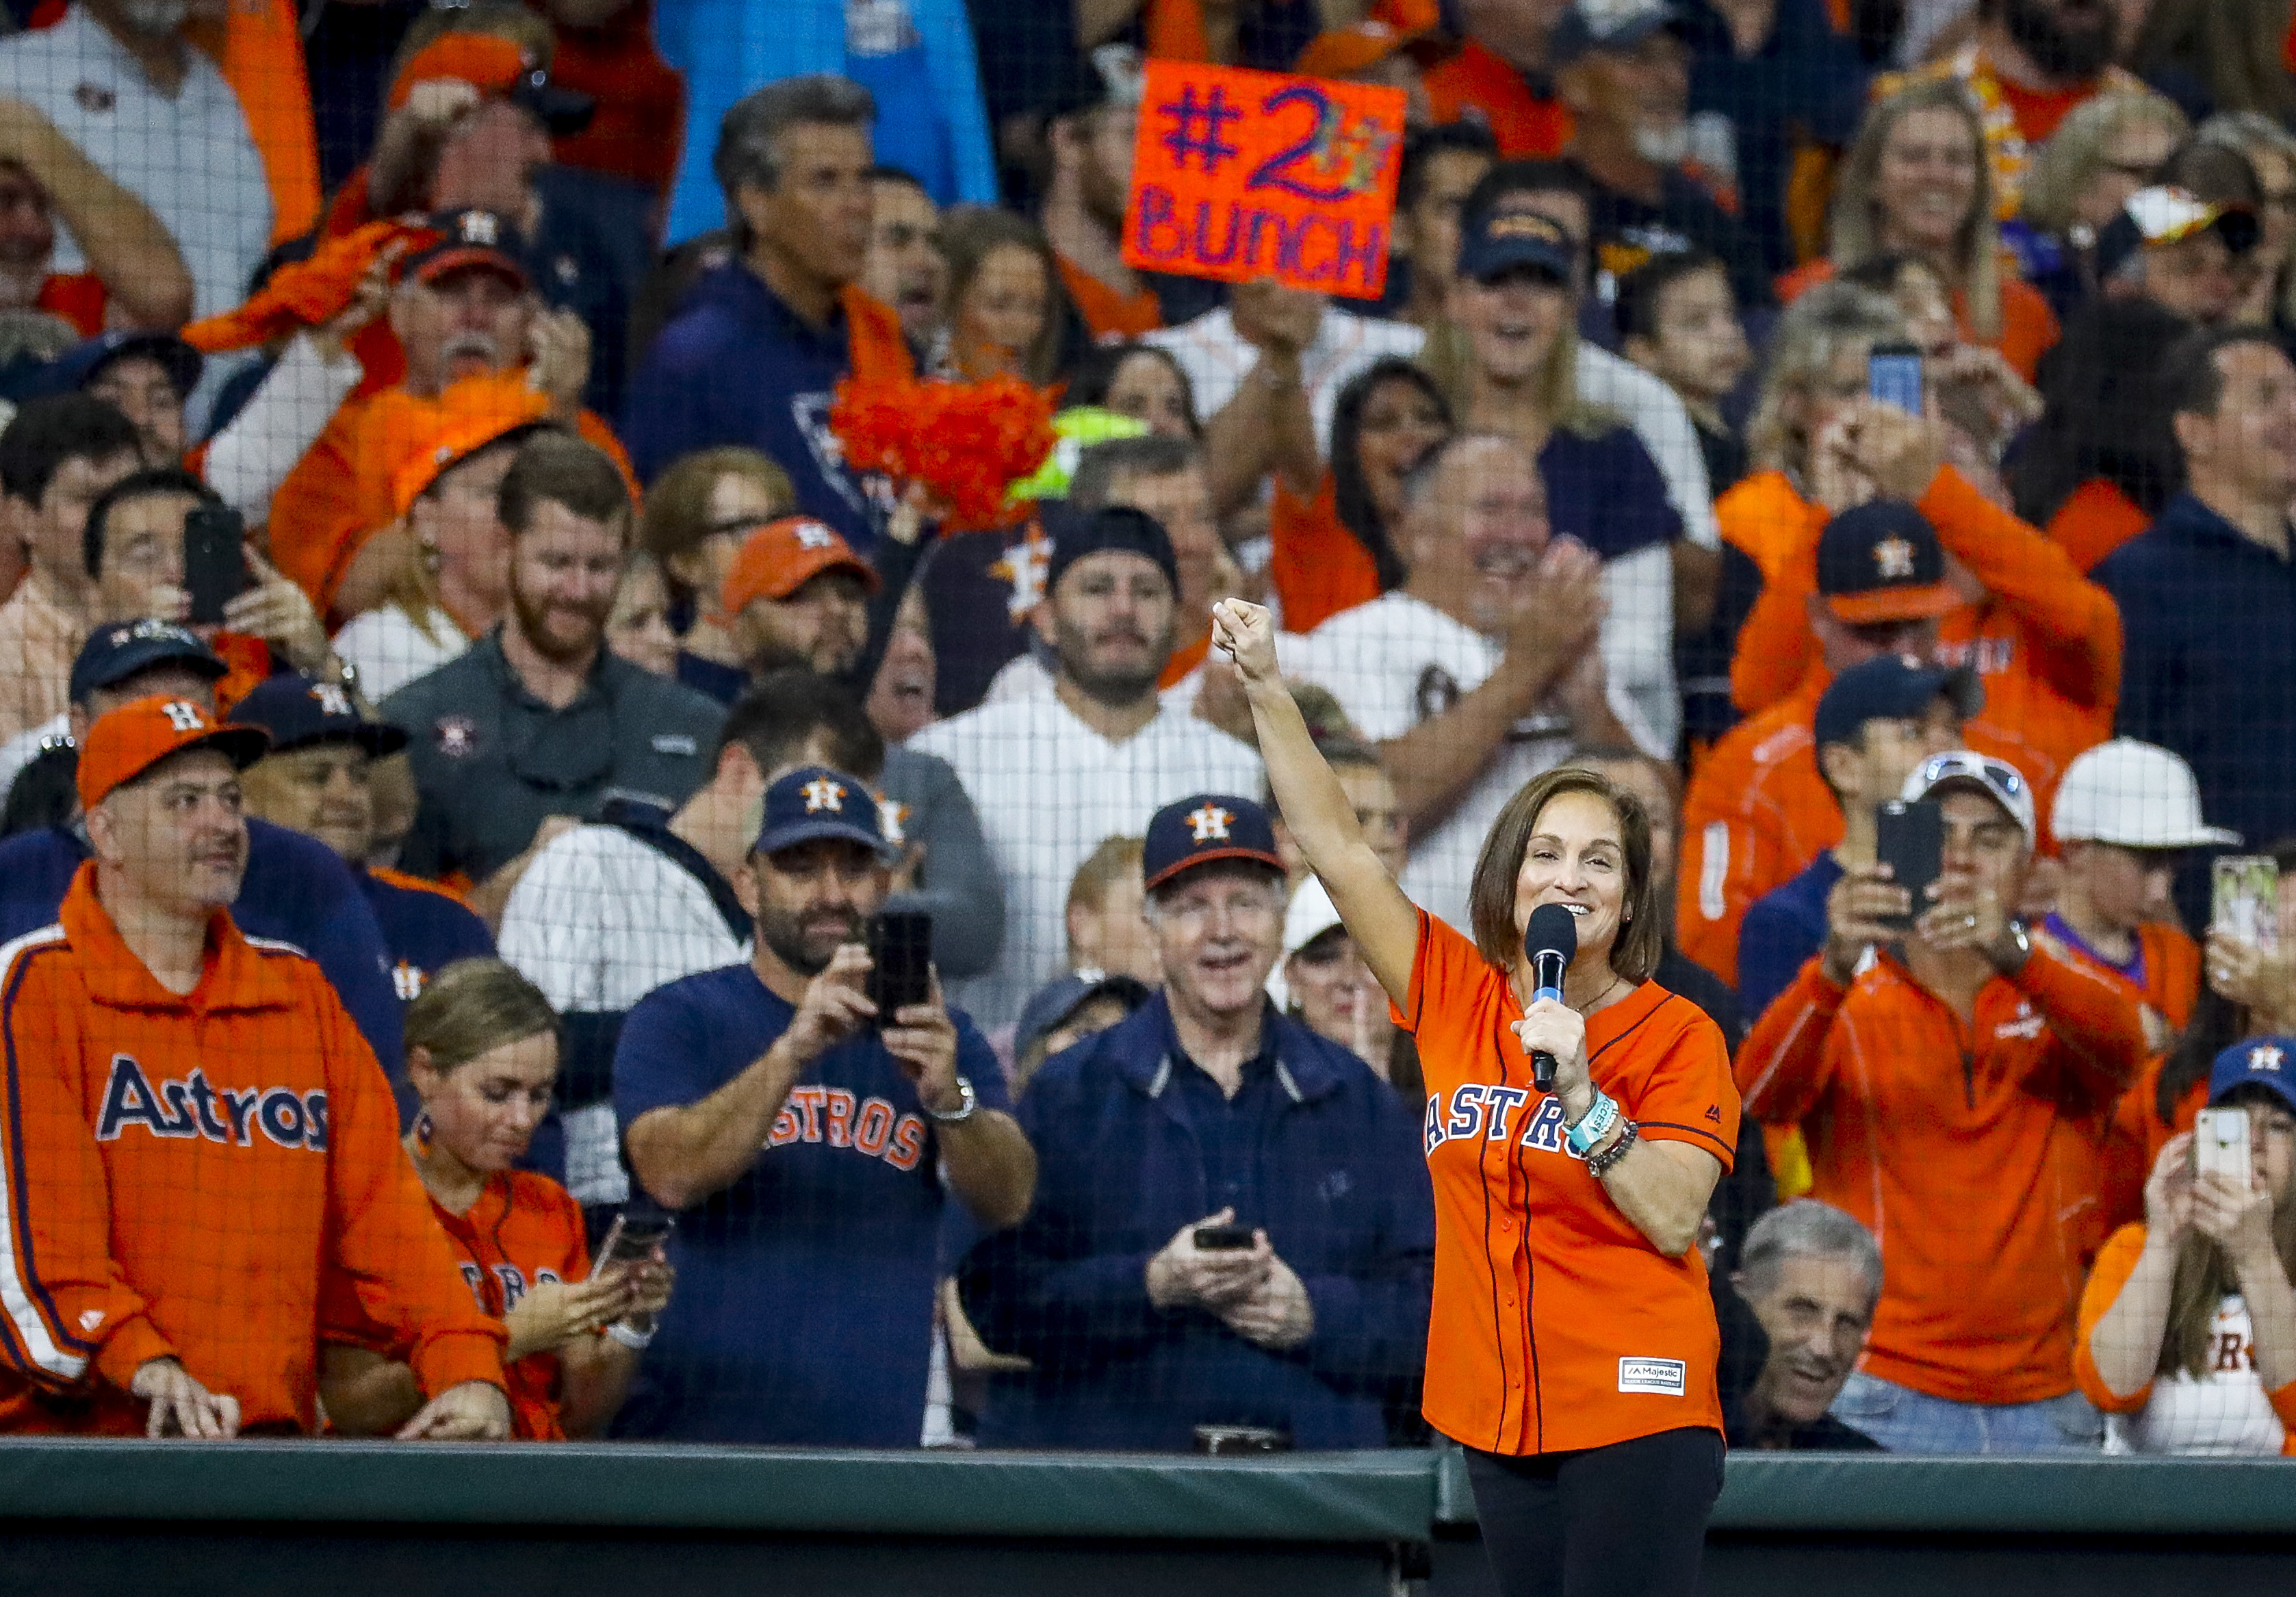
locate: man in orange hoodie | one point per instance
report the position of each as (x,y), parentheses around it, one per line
(188,1116)
(1758,811)
(1953,1080)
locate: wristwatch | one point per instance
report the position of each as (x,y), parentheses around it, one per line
(958,1116)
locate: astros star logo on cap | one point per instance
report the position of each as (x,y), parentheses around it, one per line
(1208,822)
(1893,557)
(813,535)
(2265,1055)
(822,793)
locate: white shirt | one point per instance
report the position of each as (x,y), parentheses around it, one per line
(2224,1413)
(390,651)
(1024,676)
(191,159)
(1399,661)
(1662,422)
(24,747)
(248,459)
(1216,359)
(599,920)
(1050,790)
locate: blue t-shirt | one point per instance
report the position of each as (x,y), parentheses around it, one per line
(425,930)
(1782,929)
(804,1308)
(1606,492)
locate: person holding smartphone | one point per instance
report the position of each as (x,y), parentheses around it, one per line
(483,1053)
(1958,1073)
(1572,1345)
(2188,1324)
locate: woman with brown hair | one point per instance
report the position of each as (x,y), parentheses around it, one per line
(1006,304)
(1917,182)
(1574,1342)
(482,1054)
(696,517)
(2188,1324)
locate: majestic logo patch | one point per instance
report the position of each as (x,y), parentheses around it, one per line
(1662,1378)
(822,793)
(1208,823)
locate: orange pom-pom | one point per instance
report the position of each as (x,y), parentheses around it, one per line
(965,442)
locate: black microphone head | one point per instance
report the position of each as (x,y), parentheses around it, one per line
(1553,930)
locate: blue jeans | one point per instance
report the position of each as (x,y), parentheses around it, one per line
(1904,1421)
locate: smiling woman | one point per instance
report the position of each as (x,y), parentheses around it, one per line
(1565,1395)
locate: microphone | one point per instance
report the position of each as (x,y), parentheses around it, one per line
(1551,941)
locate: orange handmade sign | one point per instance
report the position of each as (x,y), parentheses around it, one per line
(1239,175)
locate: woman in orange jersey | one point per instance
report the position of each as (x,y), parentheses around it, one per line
(2189,1326)
(1572,1345)
(483,1053)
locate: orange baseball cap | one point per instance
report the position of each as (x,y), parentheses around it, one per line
(494,65)
(468,417)
(129,741)
(783,556)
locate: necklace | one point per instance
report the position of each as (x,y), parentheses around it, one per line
(1588,1007)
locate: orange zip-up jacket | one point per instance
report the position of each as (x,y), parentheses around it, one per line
(1968,1150)
(2172,987)
(181,1170)
(2096,519)
(1556,1325)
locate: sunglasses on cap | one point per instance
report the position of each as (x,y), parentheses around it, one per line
(1976,768)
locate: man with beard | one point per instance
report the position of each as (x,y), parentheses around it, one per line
(1083,217)
(1052,776)
(1206,1110)
(540,719)
(465,311)
(1624,70)
(809,1248)
(2031,62)
(117,78)
(905,269)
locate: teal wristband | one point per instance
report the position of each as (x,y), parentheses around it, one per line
(1594,1125)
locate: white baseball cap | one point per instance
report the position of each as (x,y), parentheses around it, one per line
(2134,795)
(1311,915)
(2001,781)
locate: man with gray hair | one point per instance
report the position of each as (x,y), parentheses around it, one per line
(761,340)
(1807,1279)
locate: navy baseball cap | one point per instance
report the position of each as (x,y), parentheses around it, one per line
(1052,1004)
(1889,688)
(470,238)
(1077,533)
(79,365)
(1882,561)
(814,801)
(1587,26)
(2262,1062)
(1498,241)
(111,654)
(1209,826)
(298,712)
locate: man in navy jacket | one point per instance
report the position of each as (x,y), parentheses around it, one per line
(2207,594)
(1232,1225)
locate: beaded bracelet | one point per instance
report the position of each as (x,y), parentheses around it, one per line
(1599,1165)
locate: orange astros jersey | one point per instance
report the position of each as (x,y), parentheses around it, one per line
(525,1230)
(1556,1325)
(165,1155)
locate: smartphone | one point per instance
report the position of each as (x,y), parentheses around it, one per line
(900,962)
(2246,901)
(1909,838)
(631,1239)
(1893,376)
(215,561)
(1222,1238)
(2220,1145)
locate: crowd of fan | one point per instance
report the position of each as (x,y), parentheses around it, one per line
(573,712)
